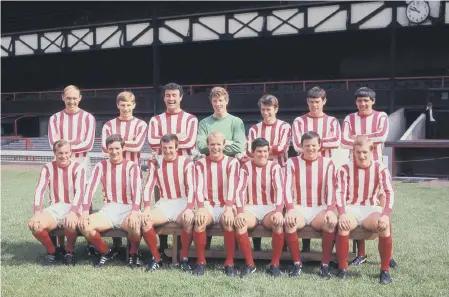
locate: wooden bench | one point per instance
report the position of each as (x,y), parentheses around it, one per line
(216,230)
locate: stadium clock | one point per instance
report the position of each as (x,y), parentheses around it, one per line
(418,11)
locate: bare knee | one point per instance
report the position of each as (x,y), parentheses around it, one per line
(227,227)
(188,228)
(289,229)
(147,227)
(200,228)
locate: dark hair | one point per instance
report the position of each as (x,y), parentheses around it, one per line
(114,138)
(365,92)
(170,137)
(310,135)
(259,142)
(316,92)
(60,143)
(268,99)
(174,86)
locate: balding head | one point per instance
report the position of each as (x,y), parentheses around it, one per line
(216,143)
(363,140)
(216,135)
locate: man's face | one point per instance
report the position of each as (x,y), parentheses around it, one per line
(169,150)
(216,146)
(261,155)
(310,148)
(115,151)
(363,155)
(63,155)
(172,99)
(219,104)
(365,105)
(268,112)
(71,98)
(126,108)
(316,104)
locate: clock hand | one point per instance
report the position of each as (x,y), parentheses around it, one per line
(414,9)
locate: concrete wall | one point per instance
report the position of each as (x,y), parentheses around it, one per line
(417,130)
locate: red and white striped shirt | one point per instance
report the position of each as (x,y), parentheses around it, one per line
(65,184)
(361,186)
(375,126)
(174,123)
(175,179)
(277,134)
(121,183)
(310,183)
(326,126)
(260,185)
(133,132)
(217,181)
(78,127)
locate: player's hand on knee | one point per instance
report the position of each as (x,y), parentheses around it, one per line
(277,219)
(228,216)
(240,221)
(71,220)
(290,219)
(84,221)
(344,223)
(382,223)
(134,220)
(188,217)
(330,219)
(200,217)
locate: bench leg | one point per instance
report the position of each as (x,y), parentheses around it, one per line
(208,242)
(305,245)
(128,248)
(257,243)
(117,242)
(61,241)
(163,243)
(174,254)
(54,239)
(354,246)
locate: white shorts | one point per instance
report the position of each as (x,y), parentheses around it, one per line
(116,213)
(171,208)
(309,213)
(260,211)
(215,211)
(362,212)
(58,212)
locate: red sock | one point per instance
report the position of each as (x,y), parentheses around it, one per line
(245,247)
(385,249)
(134,243)
(293,246)
(229,242)
(45,239)
(151,241)
(199,238)
(361,249)
(342,251)
(327,244)
(97,242)
(71,239)
(277,244)
(186,242)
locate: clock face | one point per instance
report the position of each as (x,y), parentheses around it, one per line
(418,11)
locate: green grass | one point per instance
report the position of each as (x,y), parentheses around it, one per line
(421,247)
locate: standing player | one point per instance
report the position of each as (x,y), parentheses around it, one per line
(175,177)
(359,183)
(132,130)
(217,177)
(310,197)
(374,125)
(65,180)
(121,182)
(277,132)
(260,200)
(316,120)
(173,121)
(221,121)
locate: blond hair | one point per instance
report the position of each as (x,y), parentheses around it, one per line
(362,140)
(218,92)
(215,134)
(126,96)
(70,87)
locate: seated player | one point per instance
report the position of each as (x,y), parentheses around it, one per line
(217,175)
(310,197)
(121,182)
(65,180)
(260,200)
(175,177)
(359,183)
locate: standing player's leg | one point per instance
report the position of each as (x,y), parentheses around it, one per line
(40,224)
(203,218)
(274,221)
(242,223)
(293,222)
(154,218)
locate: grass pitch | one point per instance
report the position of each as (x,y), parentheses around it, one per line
(420,246)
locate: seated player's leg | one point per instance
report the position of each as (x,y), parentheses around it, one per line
(71,222)
(155,217)
(40,224)
(274,221)
(243,222)
(203,218)
(226,220)
(185,218)
(346,223)
(294,221)
(376,222)
(91,227)
(132,225)
(325,221)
